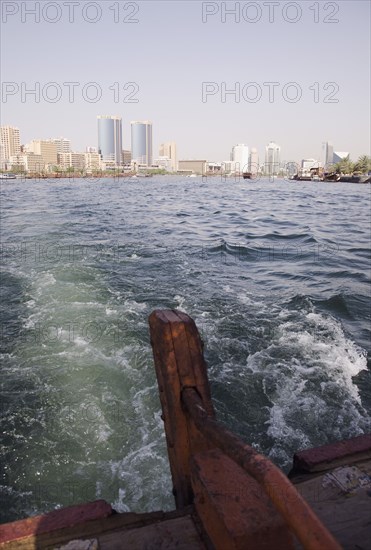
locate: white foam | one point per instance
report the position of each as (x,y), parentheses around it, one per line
(180,300)
(310,365)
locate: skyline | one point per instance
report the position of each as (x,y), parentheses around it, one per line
(181,91)
(55,156)
(111,152)
(141,148)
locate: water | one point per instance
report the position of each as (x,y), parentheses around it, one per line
(276,276)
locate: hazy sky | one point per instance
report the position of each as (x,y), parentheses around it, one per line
(174,48)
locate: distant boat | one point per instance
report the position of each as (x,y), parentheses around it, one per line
(333,176)
(192,176)
(8,176)
(247,175)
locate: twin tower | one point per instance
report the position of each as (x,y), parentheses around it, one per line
(110,140)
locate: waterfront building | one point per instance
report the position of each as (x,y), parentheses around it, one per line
(227,167)
(110,139)
(254,161)
(327,154)
(46,148)
(27,162)
(168,149)
(126,157)
(339,156)
(272,159)
(71,160)
(308,164)
(309,167)
(10,141)
(214,167)
(92,161)
(240,156)
(163,162)
(2,157)
(141,142)
(192,166)
(63,145)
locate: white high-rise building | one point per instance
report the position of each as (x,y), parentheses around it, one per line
(254,161)
(272,159)
(9,139)
(169,150)
(240,156)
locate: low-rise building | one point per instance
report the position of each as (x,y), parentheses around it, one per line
(126,157)
(192,166)
(164,163)
(71,160)
(92,162)
(27,162)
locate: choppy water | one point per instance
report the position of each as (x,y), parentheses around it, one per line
(276,276)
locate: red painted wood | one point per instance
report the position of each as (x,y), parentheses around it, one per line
(309,459)
(58,519)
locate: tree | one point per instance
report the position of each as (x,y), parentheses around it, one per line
(363,164)
(345,166)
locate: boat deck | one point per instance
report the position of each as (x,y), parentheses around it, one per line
(227,495)
(341,498)
(340,494)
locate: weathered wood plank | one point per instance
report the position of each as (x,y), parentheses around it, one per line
(342,500)
(330,456)
(179,534)
(92,529)
(179,364)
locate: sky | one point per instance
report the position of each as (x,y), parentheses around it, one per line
(208,75)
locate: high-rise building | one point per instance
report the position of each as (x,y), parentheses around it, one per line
(272,159)
(169,150)
(141,142)
(9,139)
(254,161)
(110,138)
(63,145)
(327,154)
(240,156)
